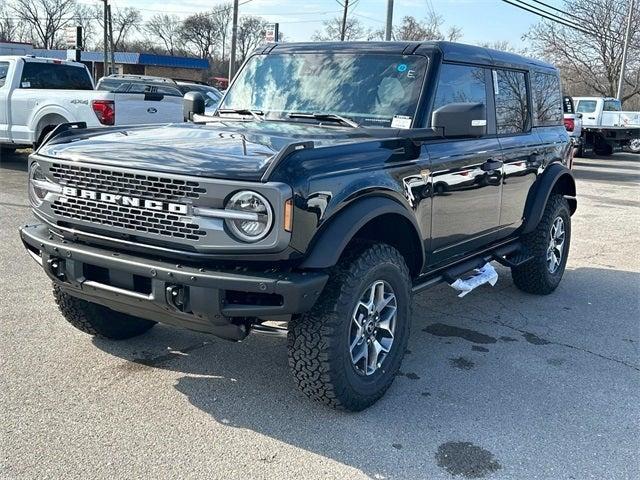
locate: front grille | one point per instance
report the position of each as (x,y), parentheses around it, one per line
(126,183)
(139,219)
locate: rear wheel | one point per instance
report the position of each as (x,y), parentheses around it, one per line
(347,350)
(634,145)
(549,245)
(98,320)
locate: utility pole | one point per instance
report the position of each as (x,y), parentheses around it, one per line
(343,30)
(389,28)
(105,40)
(627,40)
(234,40)
(113,63)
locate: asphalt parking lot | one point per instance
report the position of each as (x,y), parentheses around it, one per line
(499,384)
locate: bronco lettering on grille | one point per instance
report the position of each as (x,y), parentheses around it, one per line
(125,200)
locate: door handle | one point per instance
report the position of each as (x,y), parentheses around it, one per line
(491,165)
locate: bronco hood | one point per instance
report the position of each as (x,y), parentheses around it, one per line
(230,150)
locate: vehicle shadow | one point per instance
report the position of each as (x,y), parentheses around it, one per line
(449,387)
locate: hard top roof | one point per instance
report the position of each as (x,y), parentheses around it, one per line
(455,52)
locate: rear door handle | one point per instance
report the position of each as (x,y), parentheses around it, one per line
(491,165)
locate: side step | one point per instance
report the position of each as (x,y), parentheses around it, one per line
(510,255)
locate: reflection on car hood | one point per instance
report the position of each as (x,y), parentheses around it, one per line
(232,150)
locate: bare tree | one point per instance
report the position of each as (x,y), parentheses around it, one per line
(199,34)
(331,30)
(85,16)
(45,18)
(10,29)
(250,34)
(413,29)
(167,29)
(125,21)
(221,19)
(590,62)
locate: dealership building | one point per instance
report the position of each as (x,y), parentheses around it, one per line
(178,68)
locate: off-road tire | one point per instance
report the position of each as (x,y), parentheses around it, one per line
(97,320)
(634,146)
(534,276)
(318,341)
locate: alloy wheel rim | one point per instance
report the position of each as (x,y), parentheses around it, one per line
(372,328)
(556,245)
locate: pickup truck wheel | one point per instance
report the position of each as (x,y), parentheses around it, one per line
(347,350)
(97,320)
(549,245)
(634,145)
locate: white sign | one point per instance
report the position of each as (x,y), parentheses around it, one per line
(270,33)
(71,36)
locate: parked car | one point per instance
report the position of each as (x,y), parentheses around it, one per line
(37,94)
(115,81)
(606,128)
(573,124)
(314,204)
(212,96)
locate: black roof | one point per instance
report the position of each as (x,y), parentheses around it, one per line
(456,52)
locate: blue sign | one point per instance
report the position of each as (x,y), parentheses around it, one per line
(402,67)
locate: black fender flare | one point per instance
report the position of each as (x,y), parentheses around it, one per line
(329,243)
(540,193)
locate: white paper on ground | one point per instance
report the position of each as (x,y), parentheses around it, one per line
(486,274)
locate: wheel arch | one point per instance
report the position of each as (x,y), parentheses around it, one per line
(376,218)
(557,178)
(48,117)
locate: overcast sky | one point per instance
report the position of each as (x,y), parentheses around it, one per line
(480,20)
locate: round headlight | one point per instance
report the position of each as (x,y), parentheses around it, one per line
(36,193)
(250,216)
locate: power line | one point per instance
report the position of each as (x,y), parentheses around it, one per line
(549,16)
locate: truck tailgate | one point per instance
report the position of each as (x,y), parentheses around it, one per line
(144,108)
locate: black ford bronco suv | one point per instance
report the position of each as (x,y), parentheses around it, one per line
(333,182)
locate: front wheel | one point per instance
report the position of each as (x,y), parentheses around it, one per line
(549,246)
(347,350)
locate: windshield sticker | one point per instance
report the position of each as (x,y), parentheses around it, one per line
(402,67)
(411,74)
(401,121)
(26,84)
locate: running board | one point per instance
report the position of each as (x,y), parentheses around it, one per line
(451,274)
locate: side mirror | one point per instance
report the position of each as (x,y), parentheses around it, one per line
(579,115)
(192,104)
(461,119)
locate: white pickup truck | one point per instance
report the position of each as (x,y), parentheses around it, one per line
(37,94)
(605,127)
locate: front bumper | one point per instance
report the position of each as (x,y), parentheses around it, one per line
(201,299)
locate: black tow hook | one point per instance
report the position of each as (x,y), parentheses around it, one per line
(57,268)
(176,296)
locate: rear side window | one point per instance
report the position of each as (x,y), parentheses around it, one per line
(547,100)
(612,106)
(55,76)
(586,106)
(512,104)
(4,69)
(460,84)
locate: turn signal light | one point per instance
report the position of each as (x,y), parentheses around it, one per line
(105,110)
(288,215)
(569,124)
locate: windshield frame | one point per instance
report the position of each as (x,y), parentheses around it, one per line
(418,112)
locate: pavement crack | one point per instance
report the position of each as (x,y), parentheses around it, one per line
(544,341)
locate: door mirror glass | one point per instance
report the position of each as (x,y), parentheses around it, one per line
(461,119)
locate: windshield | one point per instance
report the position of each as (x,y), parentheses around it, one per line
(370,89)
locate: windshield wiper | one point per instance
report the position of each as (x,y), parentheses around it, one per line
(325,116)
(244,111)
